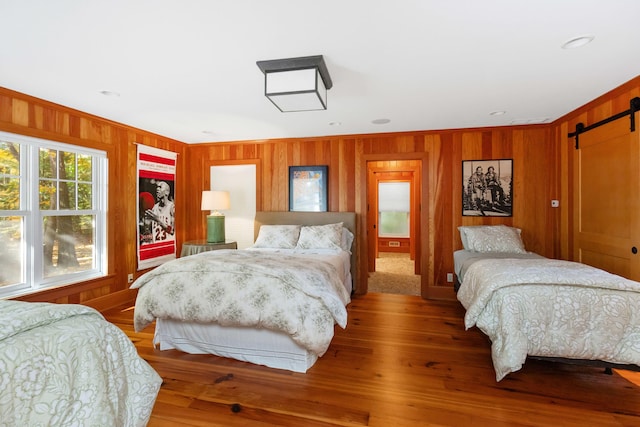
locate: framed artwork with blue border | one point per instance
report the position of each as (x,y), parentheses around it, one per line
(308,189)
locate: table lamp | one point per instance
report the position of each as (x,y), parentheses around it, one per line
(213,201)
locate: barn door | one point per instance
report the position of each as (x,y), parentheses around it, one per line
(607,198)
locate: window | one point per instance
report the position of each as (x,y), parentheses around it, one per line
(394,203)
(53,203)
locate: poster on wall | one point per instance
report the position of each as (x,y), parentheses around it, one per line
(156,206)
(487,187)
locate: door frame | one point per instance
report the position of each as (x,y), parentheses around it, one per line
(427,288)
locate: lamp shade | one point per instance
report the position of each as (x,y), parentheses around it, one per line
(296,84)
(215,200)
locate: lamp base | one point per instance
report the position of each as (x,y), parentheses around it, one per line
(215,229)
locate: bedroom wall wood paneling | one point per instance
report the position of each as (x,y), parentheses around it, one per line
(22,114)
(532,148)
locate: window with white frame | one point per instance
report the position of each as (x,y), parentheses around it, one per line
(53,204)
(394,205)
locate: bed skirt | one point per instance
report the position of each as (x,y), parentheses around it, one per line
(259,346)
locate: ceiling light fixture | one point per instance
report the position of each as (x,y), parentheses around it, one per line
(577,42)
(296,84)
(380,121)
(497,113)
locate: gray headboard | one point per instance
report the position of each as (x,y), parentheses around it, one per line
(313,218)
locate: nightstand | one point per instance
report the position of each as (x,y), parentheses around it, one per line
(196,246)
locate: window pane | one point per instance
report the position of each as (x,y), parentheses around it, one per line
(48,198)
(9,158)
(48,163)
(85,168)
(67,165)
(9,193)
(68,244)
(394,224)
(67,195)
(11,254)
(85,196)
(9,176)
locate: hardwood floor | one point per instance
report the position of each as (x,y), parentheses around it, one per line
(402,361)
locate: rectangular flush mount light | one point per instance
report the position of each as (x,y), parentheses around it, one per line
(296,84)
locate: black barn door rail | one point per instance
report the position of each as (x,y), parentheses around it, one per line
(634,106)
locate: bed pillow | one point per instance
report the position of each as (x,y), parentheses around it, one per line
(463,233)
(347,240)
(492,238)
(277,236)
(321,236)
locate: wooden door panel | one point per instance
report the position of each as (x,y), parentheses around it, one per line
(607,199)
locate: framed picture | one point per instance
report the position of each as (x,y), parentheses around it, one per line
(308,188)
(487,187)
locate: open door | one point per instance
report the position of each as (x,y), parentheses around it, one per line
(391,172)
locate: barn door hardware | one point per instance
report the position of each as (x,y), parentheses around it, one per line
(634,106)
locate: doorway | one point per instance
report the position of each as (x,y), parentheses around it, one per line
(393,239)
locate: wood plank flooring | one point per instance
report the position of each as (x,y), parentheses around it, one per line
(402,361)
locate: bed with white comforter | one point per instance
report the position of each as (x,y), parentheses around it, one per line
(529,305)
(552,308)
(64,364)
(275,304)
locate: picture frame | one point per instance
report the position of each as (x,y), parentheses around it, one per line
(308,189)
(487,187)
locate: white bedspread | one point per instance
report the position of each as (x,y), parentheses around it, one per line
(298,294)
(64,365)
(592,315)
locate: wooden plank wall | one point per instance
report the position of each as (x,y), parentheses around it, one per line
(22,114)
(532,148)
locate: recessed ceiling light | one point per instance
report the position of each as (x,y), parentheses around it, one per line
(380,121)
(109,93)
(577,42)
(497,113)
(335,123)
(208,132)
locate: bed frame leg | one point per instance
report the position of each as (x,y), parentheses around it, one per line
(608,371)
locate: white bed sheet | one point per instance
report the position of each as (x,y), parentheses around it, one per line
(462,259)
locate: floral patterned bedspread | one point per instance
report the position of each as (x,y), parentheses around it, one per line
(63,365)
(518,303)
(298,294)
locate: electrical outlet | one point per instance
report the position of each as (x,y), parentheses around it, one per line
(450,277)
(130,278)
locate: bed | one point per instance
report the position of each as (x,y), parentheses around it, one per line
(531,306)
(274,304)
(64,364)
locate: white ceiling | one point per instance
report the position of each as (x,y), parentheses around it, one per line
(187,69)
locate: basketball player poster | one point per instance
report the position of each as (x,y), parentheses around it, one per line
(156,206)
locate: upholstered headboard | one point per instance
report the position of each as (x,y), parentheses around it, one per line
(313,218)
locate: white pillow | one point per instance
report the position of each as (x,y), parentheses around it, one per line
(492,238)
(277,236)
(463,233)
(347,240)
(321,236)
